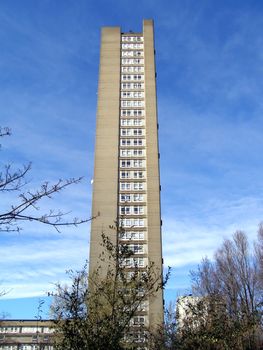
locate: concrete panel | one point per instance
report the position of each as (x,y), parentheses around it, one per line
(153,178)
(105,186)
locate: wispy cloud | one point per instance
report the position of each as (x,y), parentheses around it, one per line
(209,63)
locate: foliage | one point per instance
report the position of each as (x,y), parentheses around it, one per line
(165,336)
(99,312)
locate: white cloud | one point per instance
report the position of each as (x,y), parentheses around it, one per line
(31,268)
(190,237)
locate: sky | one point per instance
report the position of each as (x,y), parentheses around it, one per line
(209,57)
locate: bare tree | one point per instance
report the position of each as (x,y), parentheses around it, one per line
(26,207)
(230,286)
(165,336)
(259,253)
(225,309)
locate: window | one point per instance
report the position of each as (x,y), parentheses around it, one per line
(138,69)
(125,142)
(126,94)
(137,95)
(138,174)
(138,113)
(138,186)
(126,113)
(126,103)
(138,164)
(138,197)
(127,69)
(137,132)
(126,222)
(126,132)
(126,85)
(131,60)
(138,222)
(132,122)
(127,77)
(125,174)
(126,153)
(125,210)
(133,222)
(134,112)
(125,164)
(34,338)
(138,320)
(137,142)
(131,94)
(138,122)
(127,122)
(138,210)
(131,163)
(137,248)
(138,152)
(134,262)
(131,69)
(138,86)
(124,186)
(132,46)
(132,38)
(138,61)
(129,235)
(125,61)
(125,197)
(140,262)
(131,77)
(127,54)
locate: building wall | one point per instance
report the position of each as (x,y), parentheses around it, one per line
(105,182)
(126,176)
(153,176)
(26,335)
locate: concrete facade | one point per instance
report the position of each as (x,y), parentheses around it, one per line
(26,335)
(126,183)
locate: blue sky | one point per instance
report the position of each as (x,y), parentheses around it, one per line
(209,63)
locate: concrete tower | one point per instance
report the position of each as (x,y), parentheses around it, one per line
(126,173)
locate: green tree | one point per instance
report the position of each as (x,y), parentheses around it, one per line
(104,311)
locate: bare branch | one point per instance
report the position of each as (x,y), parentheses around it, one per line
(4,131)
(29,201)
(116,296)
(27,205)
(13,181)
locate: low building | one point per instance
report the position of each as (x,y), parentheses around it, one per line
(186,308)
(26,335)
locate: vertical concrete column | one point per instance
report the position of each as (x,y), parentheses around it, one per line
(153,177)
(105,186)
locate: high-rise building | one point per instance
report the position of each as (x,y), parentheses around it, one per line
(126,175)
